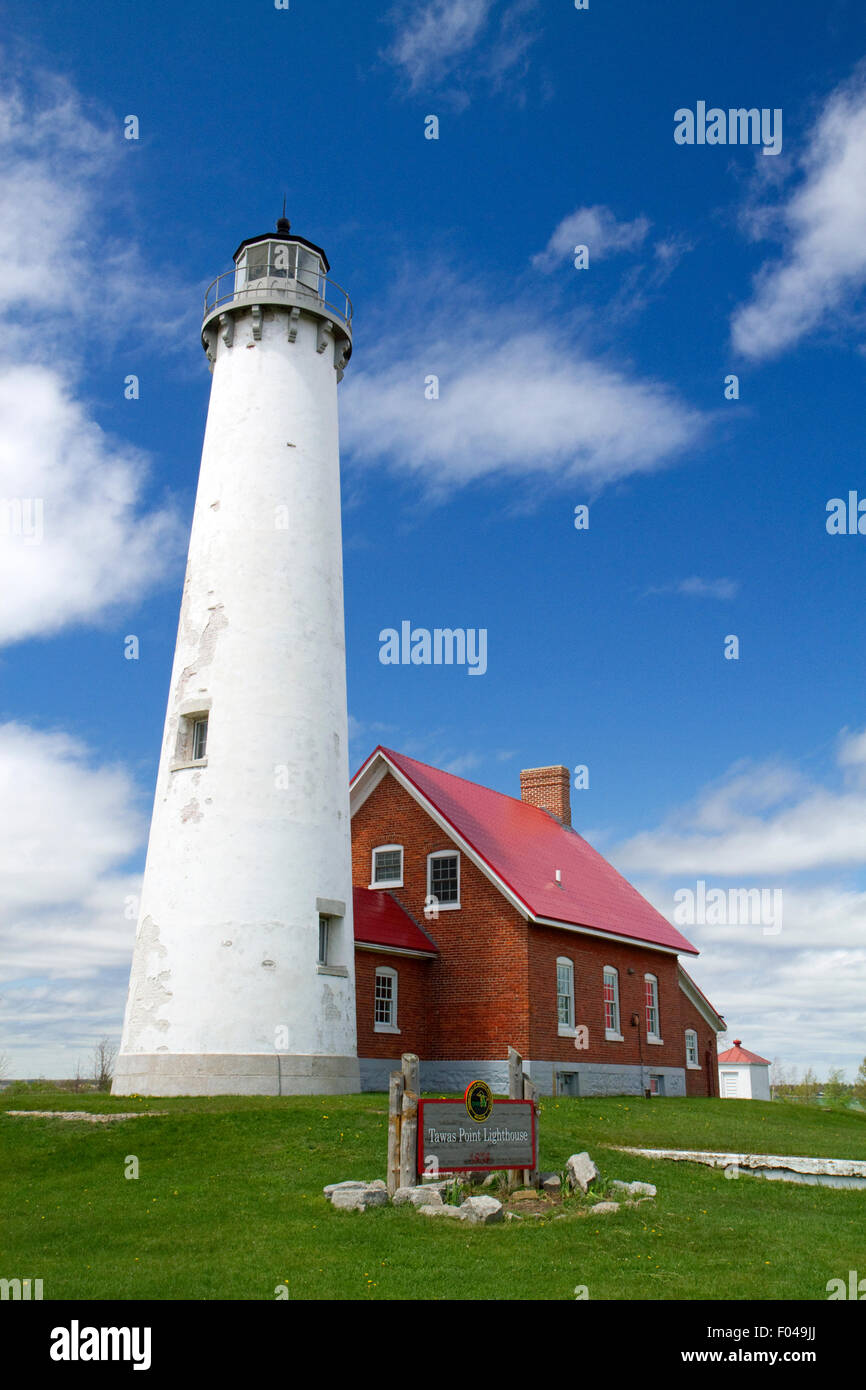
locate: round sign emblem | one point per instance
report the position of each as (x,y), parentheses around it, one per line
(479,1100)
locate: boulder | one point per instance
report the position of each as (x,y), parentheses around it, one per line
(481,1211)
(417,1196)
(550,1182)
(342,1187)
(360,1198)
(635,1189)
(602,1208)
(456,1213)
(581,1171)
(491,1180)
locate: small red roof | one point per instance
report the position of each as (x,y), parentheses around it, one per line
(738,1053)
(381,921)
(524,846)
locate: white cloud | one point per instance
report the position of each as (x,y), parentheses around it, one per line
(98,547)
(451,40)
(512,403)
(65,933)
(797,992)
(76,534)
(823,229)
(763,821)
(598,229)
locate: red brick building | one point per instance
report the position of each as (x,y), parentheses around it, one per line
(483,921)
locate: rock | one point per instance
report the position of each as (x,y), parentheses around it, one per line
(360,1198)
(525,1194)
(637,1201)
(550,1182)
(581,1171)
(512,1216)
(602,1208)
(636,1189)
(342,1187)
(456,1213)
(491,1180)
(417,1196)
(482,1211)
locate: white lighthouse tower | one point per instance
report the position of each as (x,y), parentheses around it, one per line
(243,971)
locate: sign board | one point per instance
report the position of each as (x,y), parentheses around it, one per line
(459,1144)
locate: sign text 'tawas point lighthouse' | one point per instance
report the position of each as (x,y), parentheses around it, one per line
(243,971)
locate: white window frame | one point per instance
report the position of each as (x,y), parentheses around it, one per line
(653,1036)
(322,949)
(565,963)
(611,1034)
(392,975)
(386,883)
(443,854)
(692,1045)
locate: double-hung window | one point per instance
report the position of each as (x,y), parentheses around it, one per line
(611,1003)
(387,867)
(565,993)
(443,878)
(385,1001)
(653,1028)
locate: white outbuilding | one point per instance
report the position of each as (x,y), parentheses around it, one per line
(743,1075)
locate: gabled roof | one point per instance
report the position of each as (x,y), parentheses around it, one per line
(741,1054)
(381,921)
(520,847)
(700,1001)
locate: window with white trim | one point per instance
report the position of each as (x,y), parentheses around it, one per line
(611,1003)
(443,878)
(651,988)
(692,1048)
(565,992)
(387,867)
(385,1000)
(324,933)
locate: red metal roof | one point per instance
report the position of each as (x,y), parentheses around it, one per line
(524,846)
(381,921)
(741,1054)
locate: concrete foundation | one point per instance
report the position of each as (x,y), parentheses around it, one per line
(234,1074)
(550,1078)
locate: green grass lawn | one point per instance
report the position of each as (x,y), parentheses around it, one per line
(229,1205)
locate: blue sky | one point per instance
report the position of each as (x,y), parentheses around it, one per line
(558,387)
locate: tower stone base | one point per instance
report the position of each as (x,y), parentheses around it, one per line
(234,1074)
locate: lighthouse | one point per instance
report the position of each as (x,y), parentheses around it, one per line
(242,976)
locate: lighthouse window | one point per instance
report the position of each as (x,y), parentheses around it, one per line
(324,930)
(199,738)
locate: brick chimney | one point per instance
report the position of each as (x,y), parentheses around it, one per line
(549,788)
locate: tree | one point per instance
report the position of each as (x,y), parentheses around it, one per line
(835,1086)
(860,1082)
(778,1078)
(808,1087)
(104,1054)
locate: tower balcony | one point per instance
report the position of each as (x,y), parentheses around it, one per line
(283,272)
